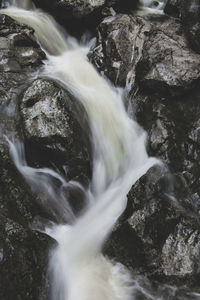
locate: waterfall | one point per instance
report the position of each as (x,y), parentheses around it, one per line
(77,268)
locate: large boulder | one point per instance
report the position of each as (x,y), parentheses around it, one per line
(162,68)
(54,125)
(119,47)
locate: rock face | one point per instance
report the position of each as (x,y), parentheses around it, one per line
(158,234)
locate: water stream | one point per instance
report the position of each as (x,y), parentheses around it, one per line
(77,268)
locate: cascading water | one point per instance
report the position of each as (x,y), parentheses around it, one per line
(77,268)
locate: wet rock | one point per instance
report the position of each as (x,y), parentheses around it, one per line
(126,6)
(191,21)
(19,50)
(23,254)
(180,253)
(24,261)
(156,236)
(55,124)
(132,50)
(153,54)
(171,139)
(73,8)
(76,16)
(79,16)
(167,65)
(164,205)
(119,47)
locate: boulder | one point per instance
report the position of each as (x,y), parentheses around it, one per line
(54,125)
(119,47)
(162,69)
(180,253)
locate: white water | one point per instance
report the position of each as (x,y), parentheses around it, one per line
(78,269)
(152,7)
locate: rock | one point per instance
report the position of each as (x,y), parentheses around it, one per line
(152,236)
(189,12)
(54,125)
(76,9)
(119,47)
(77,16)
(180,253)
(24,253)
(191,21)
(171,139)
(18,48)
(80,15)
(173,8)
(161,68)
(24,261)
(125,6)
(132,50)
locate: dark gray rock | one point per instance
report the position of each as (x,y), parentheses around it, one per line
(146,49)
(156,236)
(173,8)
(189,12)
(24,253)
(167,65)
(119,47)
(54,125)
(190,15)
(77,9)
(180,253)
(24,261)
(152,57)
(80,15)
(77,16)
(159,233)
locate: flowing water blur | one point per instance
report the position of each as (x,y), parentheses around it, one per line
(77,268)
